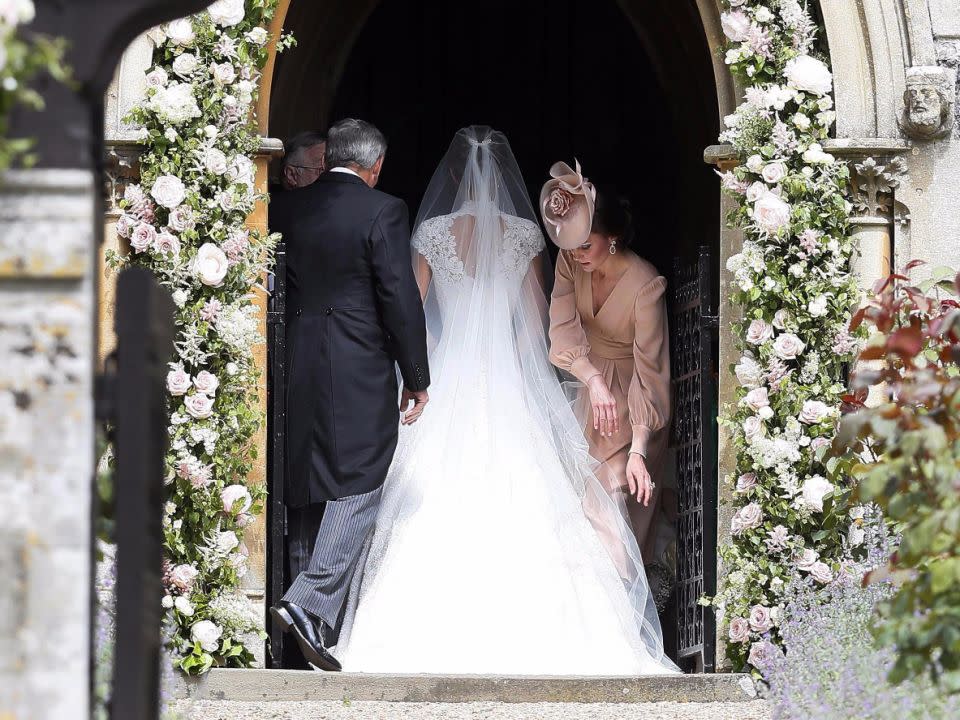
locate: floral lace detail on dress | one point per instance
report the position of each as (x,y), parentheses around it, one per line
(435,242)
(522,242)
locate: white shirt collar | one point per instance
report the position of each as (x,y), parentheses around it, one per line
(348,171)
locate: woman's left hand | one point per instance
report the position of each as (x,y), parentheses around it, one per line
(638,479)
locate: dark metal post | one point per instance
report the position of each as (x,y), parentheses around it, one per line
(145,332)
(276,456)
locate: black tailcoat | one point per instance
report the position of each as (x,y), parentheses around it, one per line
(354,315)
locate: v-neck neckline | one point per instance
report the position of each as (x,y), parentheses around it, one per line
(594,310)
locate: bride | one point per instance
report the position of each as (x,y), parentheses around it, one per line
(496,550)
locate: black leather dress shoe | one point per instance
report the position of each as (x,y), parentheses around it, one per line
(290,617)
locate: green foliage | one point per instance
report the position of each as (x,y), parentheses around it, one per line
(905,452)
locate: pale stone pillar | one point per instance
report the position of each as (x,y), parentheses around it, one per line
(46,441)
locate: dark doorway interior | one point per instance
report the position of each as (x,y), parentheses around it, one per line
(625,86)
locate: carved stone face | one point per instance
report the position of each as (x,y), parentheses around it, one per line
(925,108)
(928,103)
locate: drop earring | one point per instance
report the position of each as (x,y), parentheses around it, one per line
(613,248)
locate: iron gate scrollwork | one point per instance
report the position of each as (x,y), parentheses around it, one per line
(693,341)
(276,445)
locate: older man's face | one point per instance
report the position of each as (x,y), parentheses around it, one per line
(309,166)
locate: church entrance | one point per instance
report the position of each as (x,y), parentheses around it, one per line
(626,87)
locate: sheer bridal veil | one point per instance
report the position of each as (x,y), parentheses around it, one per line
(481,265)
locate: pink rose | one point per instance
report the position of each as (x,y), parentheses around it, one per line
(183,577)
(244,520)
(821,572)
(757,399)
(206,383)
(167,244)
(788,346)
(739,630)
(233,494)
(806,559)
(178,381)
(746,482)
(753,428)
(762,653)
(774,172)
(199,406)
(181,219)
(771,213)
(560,202)
(760,620)
(819,442)
(157,78)
(758,332)
(747,517)
(125,226)
(814,411)
(143,237)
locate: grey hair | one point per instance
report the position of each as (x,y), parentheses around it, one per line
(298,144)
(354,142)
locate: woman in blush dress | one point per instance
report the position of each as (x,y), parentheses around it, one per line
(608,328)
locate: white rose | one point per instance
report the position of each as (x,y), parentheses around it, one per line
(258,36)
(180,32)
(749,373)
(242,169)
(821,572)
(183,576)
(180,297)
(788,346)
(199,406)
(808,74)
(206,383)
(755,164)
(806,559)
(801,121)
(753,427)
(183,606)
(233,494)
(735,25)
(185,65)
(157,78)
(760,620)
(774,172)
(739,630)
(211,265)
(211,132)
(157,36)
(814,411)
(758,332)
(168,191)
(227,13)
(215,161)
(232,369)
(756,191)
(167,601)
(224,73)
(175,104)
(749,516)
(170,134)
(815,489)
(227,541)
(757,398)
(763,15)
(818,306)
(815,155)
(207,634)
(782,319)
(178,381)
(245,90)
(771,213)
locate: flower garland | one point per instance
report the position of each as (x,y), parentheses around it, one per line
(186,222)
(21,60)
(793,284)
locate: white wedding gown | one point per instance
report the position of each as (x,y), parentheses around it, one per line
(483,560)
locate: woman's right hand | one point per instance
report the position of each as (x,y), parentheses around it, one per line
(606,419)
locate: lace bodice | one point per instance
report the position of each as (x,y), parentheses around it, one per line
(434,240)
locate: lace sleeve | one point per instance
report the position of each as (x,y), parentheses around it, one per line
(522,242)
(434,241)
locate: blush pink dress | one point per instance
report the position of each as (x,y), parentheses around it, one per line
(626,342)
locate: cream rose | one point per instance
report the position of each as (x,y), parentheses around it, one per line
(755,164)
(207,634)
(227,13)
(818,306)
(224,73)
(183,606)
(735,25)
(788,346)
(808,74)
(185,65)
(211,265)
(258,36)
(206,383)
(169,191)
(178,381)
(739,630)
(215,161)
(771,213)
(759,331)
(774,172)
(233,494)
(815,489)
(760,620)
(180,32)
(227,541)
(199,406)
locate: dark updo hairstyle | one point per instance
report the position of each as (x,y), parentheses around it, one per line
(613,216)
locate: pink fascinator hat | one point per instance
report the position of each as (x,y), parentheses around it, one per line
(566,205)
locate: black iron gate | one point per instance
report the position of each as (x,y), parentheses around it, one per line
(276,458)
(693,352)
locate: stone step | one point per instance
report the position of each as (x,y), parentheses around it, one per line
(299,686)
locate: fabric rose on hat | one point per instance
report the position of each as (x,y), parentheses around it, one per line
(560,201)
(211,265)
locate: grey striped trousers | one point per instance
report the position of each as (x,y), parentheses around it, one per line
(322,588)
